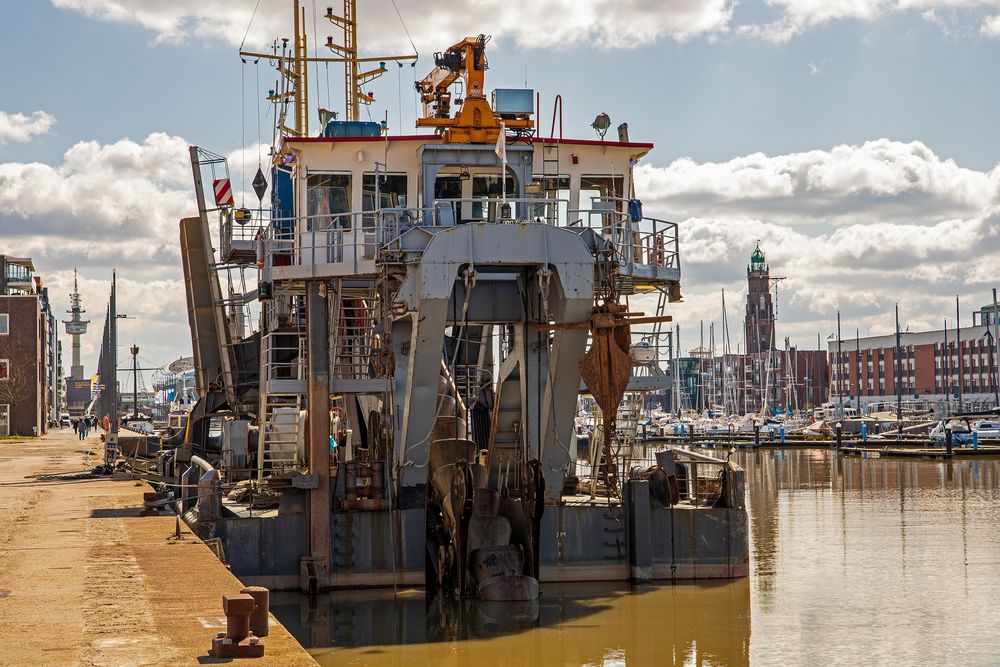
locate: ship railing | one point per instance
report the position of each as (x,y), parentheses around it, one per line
(313,241)
(702,485)
(351,240)
(637,240)
(393,222)
(509,210)
(239,230)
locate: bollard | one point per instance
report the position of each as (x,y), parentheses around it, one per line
(782,431)
(756,435)
(237,641)
(840,434)
(262,598)
(975,440)
(947,440)
(864,433)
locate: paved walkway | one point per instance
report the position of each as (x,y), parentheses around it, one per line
(85,580)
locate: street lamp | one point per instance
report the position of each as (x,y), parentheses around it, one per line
(135,380)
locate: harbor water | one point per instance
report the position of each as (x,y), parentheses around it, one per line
(853,561)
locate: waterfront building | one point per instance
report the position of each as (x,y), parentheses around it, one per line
(947,369)
(29,351)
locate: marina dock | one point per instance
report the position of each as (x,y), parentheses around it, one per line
(88,578)
(906,446)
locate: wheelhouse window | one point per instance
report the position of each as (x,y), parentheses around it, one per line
(553,187)
(601,187)
(487,187)
(389,191)
(328,198)
(447,186)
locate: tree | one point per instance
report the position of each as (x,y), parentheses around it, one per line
(19,384)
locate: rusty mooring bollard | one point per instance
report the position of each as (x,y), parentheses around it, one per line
(258,620)
(237,641)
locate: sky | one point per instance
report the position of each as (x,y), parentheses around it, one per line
(855,139)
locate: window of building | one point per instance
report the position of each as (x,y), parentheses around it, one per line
(4,369)
(327,196)
(4,324)
(4,420)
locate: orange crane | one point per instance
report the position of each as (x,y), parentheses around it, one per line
(475,122)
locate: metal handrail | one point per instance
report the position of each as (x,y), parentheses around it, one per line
(349,238)
(648,241)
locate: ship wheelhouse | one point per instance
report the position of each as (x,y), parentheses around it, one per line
(349,195)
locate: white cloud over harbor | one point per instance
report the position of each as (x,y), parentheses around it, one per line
(22,127)
(607,24)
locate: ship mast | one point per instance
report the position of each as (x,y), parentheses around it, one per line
(293,66)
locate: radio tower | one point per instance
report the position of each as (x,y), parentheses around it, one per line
(76,326)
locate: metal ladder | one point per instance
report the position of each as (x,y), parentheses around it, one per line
(281,434)
(550,177)
(352,329)
(283,394)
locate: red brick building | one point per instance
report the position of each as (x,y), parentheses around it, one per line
(23,392)
(29,352)
(931,364)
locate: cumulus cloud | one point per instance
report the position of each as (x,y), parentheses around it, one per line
(111,206)
(22,127)
(879,180)
(529,23)
(860,270)
(991,26)
(794,17)
(852,228)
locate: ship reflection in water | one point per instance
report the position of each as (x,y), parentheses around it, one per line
(853,561)
(572,624)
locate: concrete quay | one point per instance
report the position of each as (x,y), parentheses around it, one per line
(86,580)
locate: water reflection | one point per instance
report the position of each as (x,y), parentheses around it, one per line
(580,624)
(882,561)
(853,561)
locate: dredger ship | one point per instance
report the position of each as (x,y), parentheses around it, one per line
(392,353)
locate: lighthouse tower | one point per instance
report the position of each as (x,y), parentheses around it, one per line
(760,309)
(76,326)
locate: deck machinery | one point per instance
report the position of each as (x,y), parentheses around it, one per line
(425,308)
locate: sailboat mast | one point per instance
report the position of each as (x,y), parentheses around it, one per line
(857,354)
(840,375)
(961,361)
(899,385)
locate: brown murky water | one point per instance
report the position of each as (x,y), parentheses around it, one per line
(853,562)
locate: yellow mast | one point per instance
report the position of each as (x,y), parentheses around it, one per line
(300,66)
(295,68)
(354,96)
